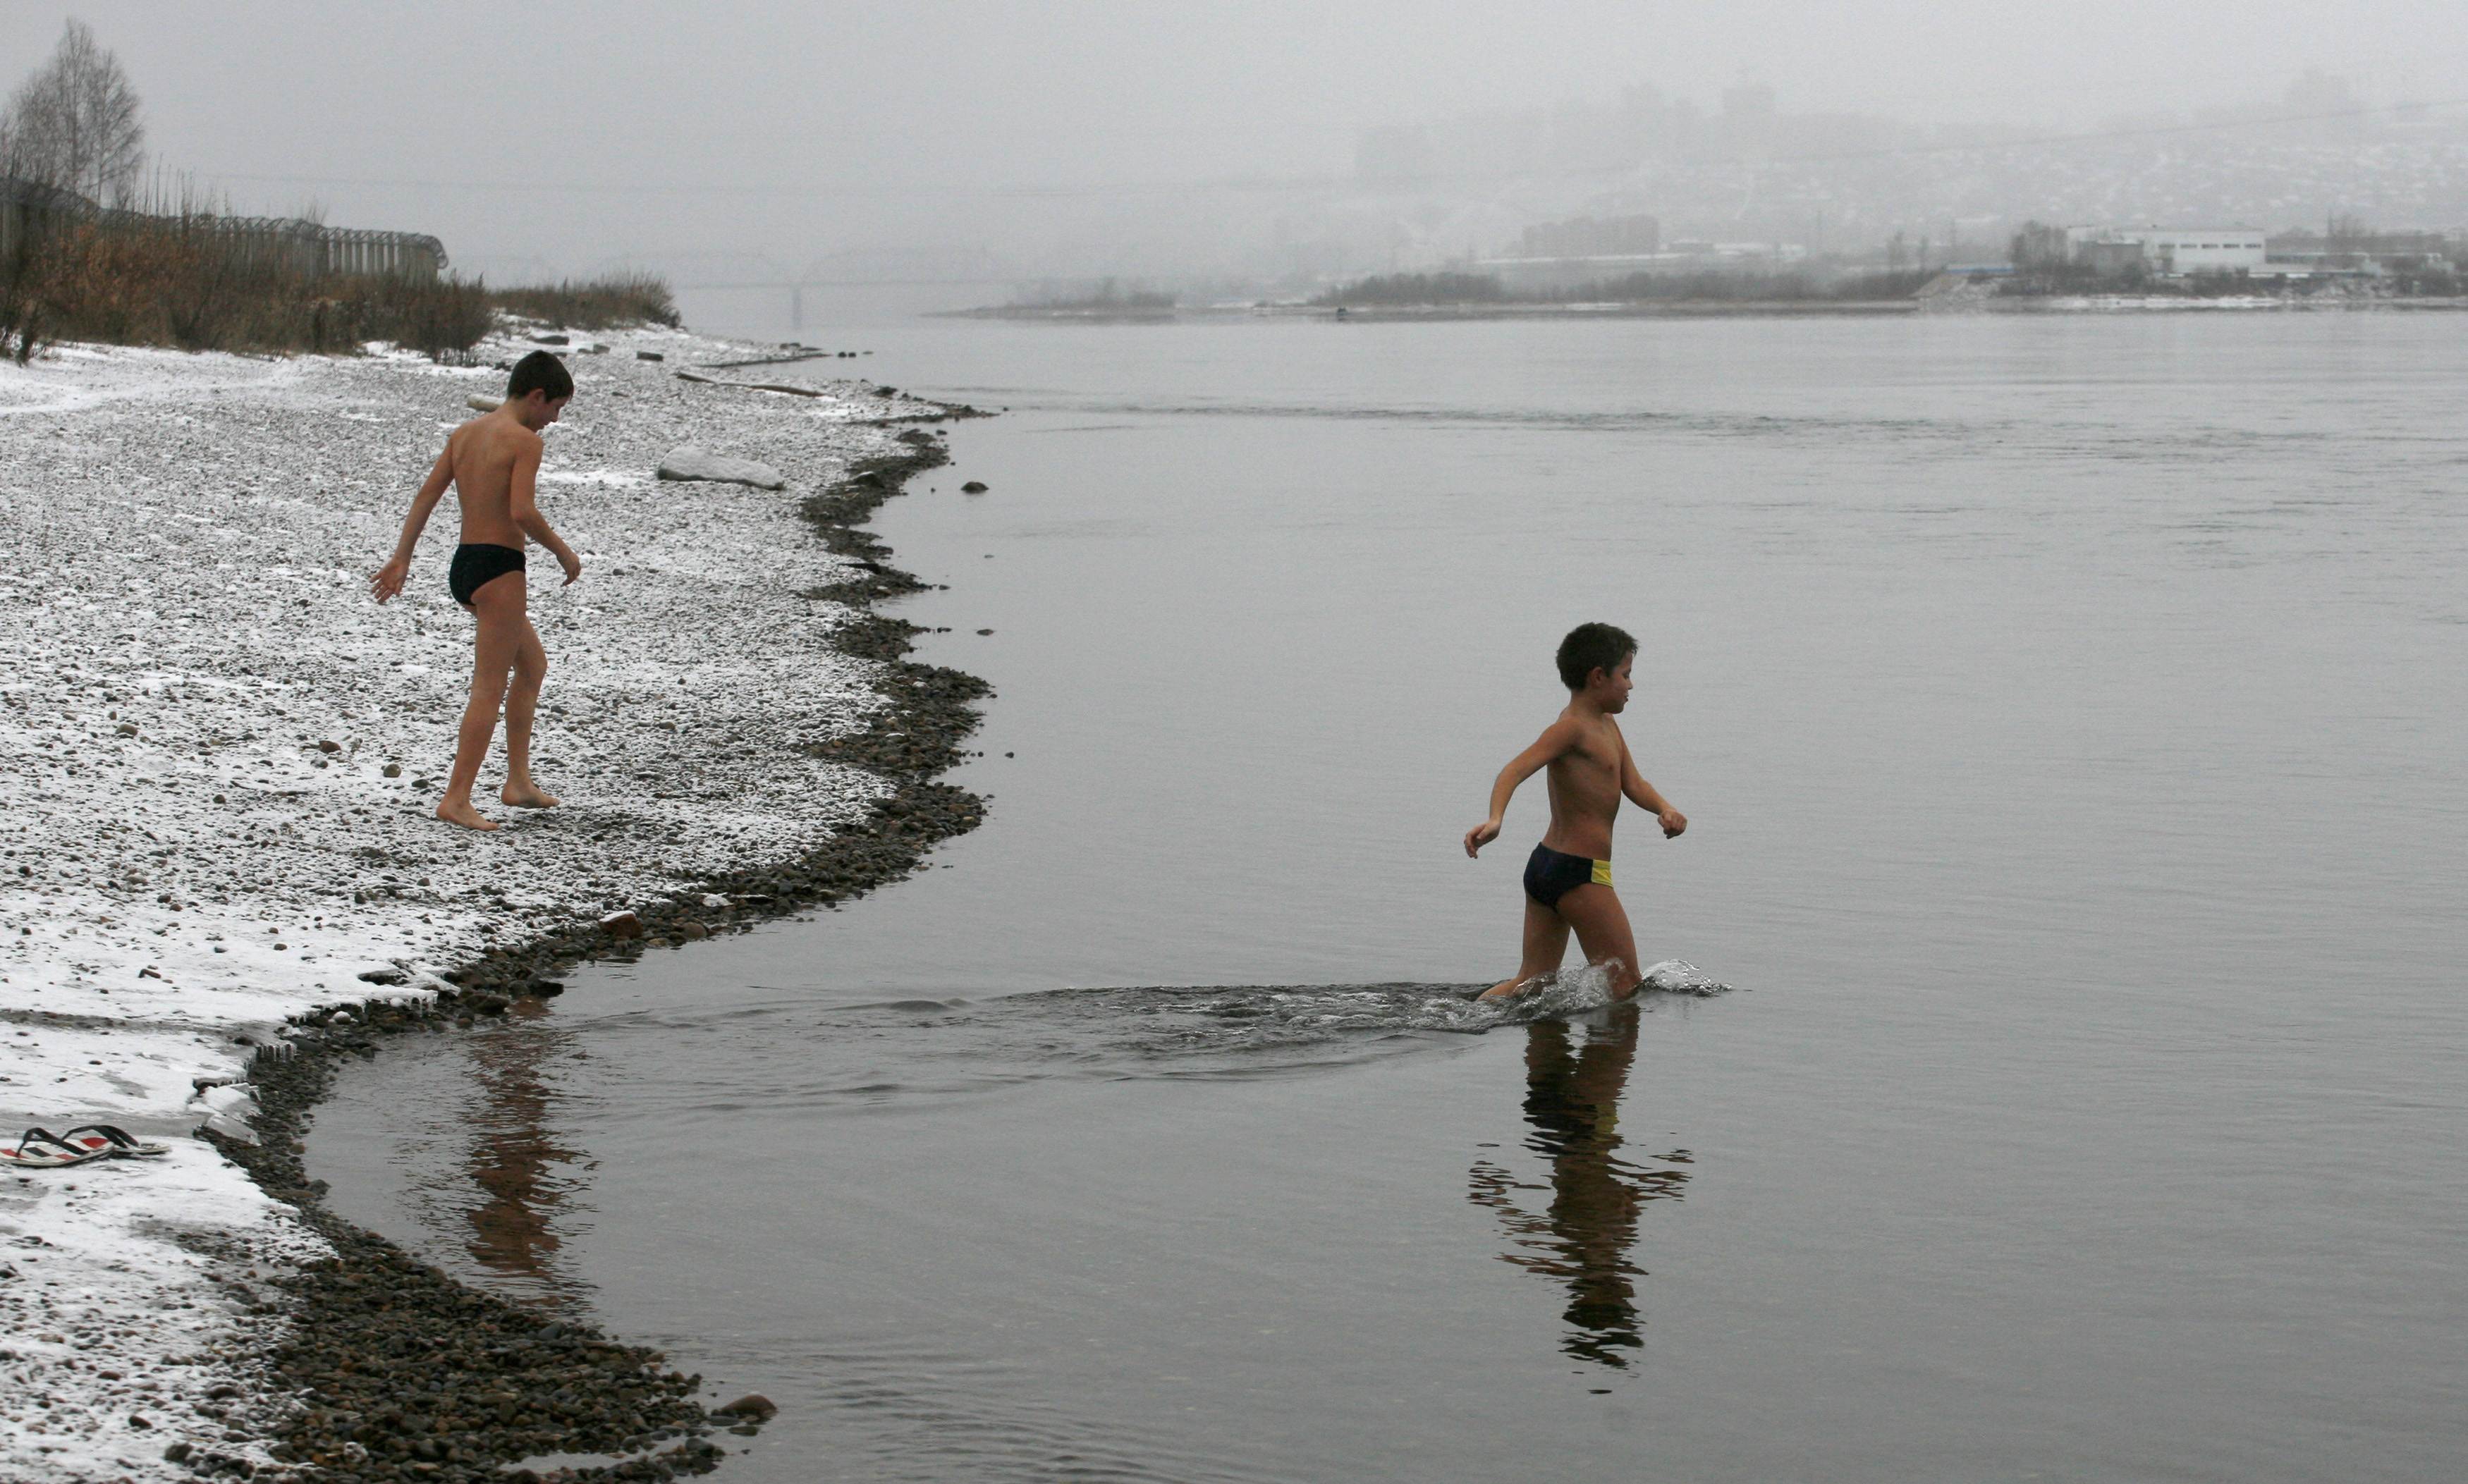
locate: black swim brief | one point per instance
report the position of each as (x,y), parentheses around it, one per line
(1550,876)
(476,562)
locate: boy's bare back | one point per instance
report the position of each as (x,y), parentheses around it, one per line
(492,465)
(486,458)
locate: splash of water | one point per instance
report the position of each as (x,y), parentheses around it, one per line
(1678,976)
(1258,1018)
(1579,991)
(891,1050)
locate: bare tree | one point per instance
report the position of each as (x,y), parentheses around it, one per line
(75,123)
(13,151)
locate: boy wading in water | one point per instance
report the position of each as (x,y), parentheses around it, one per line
(1568,879)
(493,462)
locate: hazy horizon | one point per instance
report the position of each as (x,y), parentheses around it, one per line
(965,138)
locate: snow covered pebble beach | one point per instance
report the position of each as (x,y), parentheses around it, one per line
(218,758)
(123,1341)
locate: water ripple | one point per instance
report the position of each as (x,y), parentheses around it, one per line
(899,1050)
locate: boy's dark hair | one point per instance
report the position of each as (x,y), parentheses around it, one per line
(539,372)
(1592,647)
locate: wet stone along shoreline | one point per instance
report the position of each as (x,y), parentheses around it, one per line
(408,1374)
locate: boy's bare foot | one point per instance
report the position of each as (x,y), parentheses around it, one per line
(1506,988)
(459,812)
(527,795)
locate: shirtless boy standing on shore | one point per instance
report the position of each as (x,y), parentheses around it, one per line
(1568,878)
(493,462)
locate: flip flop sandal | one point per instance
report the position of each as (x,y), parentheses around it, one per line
(96,1140)
(36,1148)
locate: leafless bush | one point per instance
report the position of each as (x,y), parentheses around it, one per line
(443,319)
(603,303)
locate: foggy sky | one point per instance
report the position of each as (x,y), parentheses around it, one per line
(563,135)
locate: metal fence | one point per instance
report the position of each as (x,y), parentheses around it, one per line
(29,210)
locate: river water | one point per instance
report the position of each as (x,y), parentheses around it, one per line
(2068,713)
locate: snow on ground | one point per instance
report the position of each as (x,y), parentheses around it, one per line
(120,1340)
(201,709)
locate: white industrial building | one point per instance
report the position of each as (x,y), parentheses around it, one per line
(2203,249)
(2172,250)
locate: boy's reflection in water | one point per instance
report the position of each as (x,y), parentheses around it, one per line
(515,1158)
(1573,1077)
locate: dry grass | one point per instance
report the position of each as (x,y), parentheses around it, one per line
(608,303)
(176,281)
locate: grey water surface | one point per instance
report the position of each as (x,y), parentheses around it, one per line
(2067,712)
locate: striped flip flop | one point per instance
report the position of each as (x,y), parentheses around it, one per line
(101,1140)
(39,1148)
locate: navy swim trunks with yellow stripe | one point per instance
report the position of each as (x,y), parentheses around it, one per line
(1550,876)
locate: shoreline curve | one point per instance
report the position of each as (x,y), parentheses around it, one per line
(303,1345)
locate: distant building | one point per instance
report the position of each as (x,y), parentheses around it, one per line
(2112,256)
(2366,253)
(2204,249)
(2170,251)
(1694,252)
(2385,246)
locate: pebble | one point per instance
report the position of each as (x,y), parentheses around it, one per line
(754,1405)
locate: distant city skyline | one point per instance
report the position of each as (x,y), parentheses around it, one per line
(1193,141)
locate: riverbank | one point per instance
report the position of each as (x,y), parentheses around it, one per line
(1652,309)
(221,874)
(1725,308)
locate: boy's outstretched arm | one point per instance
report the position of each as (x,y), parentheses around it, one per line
(523,504)
(1556,739)
(1641,794)
(388,579)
